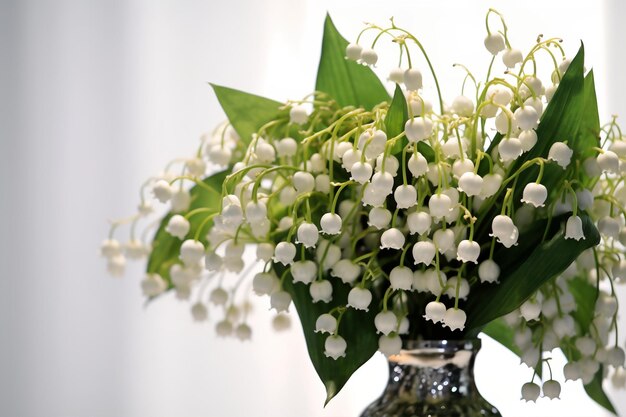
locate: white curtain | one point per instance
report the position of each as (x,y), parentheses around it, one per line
(97,96)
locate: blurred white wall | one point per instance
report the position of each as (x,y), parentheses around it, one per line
(96,96)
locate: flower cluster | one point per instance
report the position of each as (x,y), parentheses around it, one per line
(412,222)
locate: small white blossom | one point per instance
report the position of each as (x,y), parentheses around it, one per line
(401,278)
(535,194)
(561,154)
(454,318)
(392,239)
(574,228)
(435,311)
(298,114)
(331,224)
(530,392)
(389,344)
(386,322)
(494,43)
(178,226)
(321,291)
(284,253)
(360,298)
(353,51)
(335,347)
(326,323)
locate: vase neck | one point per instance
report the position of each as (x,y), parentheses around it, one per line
(433,371)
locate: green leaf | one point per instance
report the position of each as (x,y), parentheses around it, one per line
(522,274)
(349,83)
(356,327)
(596,392)
(396,118)
(589,130)
(585,296)
(165,247)
(246,112)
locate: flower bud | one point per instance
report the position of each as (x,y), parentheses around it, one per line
(494,43)
(512,57)
(353,51)
(298,115)
(413,79)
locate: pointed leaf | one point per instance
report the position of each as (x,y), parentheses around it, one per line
(524,270)
(356,327)
(349,83)
(595,390)
(396,118)
(246,112)
(502,333)
(165,247)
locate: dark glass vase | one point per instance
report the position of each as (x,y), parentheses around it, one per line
(432,379)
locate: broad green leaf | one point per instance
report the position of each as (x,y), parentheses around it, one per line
(165,247)
(396,118)
(589,130)
(356,327)
(585,296)
(596,392)
(246,112)
(522,274)
(349,83)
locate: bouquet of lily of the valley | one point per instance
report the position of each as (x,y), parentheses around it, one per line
(389,218)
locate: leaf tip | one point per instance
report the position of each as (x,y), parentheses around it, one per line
(331,391)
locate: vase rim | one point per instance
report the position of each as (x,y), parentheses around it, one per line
(444,344)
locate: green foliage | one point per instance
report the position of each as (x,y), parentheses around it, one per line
(246,112)
(525,268)
(356,327)
(349,83)
(165,247)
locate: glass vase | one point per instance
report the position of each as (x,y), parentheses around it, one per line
(432,378)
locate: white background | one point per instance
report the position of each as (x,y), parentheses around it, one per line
(96,96)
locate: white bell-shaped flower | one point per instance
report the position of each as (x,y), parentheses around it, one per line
(561,154)
(460,167)
(535,194)
(265,283)
(331,224)
(405,196)
(608,161)
(153,285)
(321,290)
(401,278)
(386,322)
(417,164)
(307,234)
(361,172)
(419,222)
(191,252)
(424,252)
(392,239)
(574,228)
(213,262)
(304,271)
(379,218)
(488,271)
(586,346)
(322,183)
(530,310)
(471,184)
(389,344)
(243,332)
(265,153)
(280,301)
(177,226)
(413,79)
(327,254)
(326,323)
(288,196)
(199,312)
(298,114)
(494,42)
(526,117)
(224,328)
(180,200)
(505,122)
(504,230)
(284,253)
(264,251)
(162,191)
(443,239)
(303,182)
(390,162)
(510,149)
(218,296)
(463,288)
(346,270)
(463,106)
(376,144)
(359,298)
(491,185)
(572,371)
(286,147)
(382,182)
(439,205)
(418,129)
(396,75)
(111,247)
(530,392)
(435,311)
(350,157)
(436,281)
(528,139)
(609,226)
(551,389)
(256,211)
(369,56)
(615,357)
(468,251)
(512,57)
(335,347)
(353,51)
(454,318)
(219,155)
